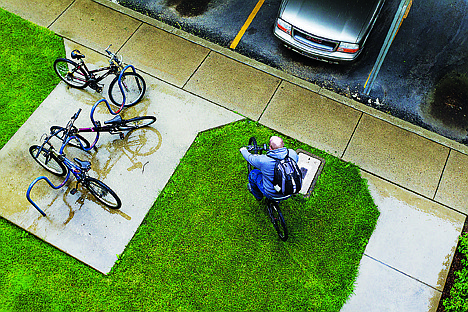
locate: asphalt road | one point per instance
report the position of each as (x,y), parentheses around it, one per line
(428,54)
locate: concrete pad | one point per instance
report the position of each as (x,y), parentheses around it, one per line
(311,118)
(165,56)
(380,288)
(40,12)
(136,168)
(453,187)
(234,85)
(414,235)
(397,155)
(95,26)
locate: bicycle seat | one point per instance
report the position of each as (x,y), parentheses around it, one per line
(76,54)
(83,164)
(114,121)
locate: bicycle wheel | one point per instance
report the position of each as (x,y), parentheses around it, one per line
(48,160)
(137,122)
(102,192)
(133,85)
(277,219)
(73,142)
(71,73)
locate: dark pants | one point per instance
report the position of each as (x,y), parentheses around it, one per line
(256,184)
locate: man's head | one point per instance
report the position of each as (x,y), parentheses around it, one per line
(276,142)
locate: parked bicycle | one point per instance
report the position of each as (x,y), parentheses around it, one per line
(78,75)
(58,164)
(116,125)
(273,208)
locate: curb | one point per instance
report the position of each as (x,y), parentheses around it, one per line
(290,78)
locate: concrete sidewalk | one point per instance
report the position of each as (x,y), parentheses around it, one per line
(417,178)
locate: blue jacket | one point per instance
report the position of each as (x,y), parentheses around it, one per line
(267,166)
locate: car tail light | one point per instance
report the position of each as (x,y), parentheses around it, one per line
(286,27)
(348,47)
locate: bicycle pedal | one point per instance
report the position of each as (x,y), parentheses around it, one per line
(73,191)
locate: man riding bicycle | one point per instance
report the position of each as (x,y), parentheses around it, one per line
(261,178)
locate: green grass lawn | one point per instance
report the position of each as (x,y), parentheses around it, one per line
(27,53)
(206,244)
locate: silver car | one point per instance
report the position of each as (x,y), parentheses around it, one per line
(329,30)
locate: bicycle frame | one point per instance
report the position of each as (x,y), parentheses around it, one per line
(74,169)
(112,69)
(98,128)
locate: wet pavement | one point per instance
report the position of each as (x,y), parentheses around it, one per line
(416,177)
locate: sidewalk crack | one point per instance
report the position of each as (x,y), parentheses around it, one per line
(401,272)
(66,9)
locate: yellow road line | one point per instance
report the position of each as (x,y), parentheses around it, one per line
(368,77)
(246,24)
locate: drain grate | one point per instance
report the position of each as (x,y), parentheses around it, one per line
(311,167)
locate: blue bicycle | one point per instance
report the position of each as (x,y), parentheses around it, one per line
(58,164)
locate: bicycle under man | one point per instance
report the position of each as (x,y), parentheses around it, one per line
(273,208)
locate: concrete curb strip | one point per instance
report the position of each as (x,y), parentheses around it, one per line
(282,75)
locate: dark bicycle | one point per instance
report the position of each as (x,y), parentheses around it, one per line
(116,125)
(78,75)
(276,216)
(58,164)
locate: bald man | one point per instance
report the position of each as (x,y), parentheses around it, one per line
(261,178)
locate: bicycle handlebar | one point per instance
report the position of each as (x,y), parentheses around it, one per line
(76,114)
(257,149)
(70,124)
(113,57)
(107,49)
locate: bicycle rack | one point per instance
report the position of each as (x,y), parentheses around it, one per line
(55,187)
(108,106)
(121,90)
